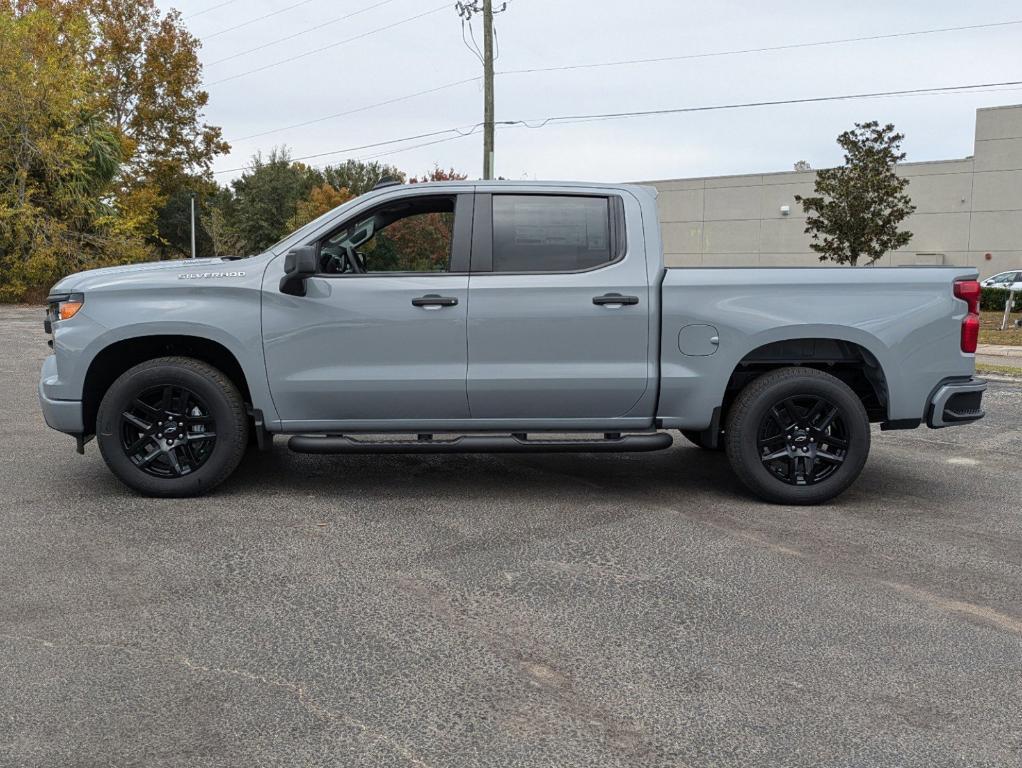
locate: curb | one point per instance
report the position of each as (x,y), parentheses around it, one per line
(1004,378)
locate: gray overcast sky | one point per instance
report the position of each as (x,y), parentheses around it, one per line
(429,52)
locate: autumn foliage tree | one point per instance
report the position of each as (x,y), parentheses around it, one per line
(151,84)
(277,195)
(322,199)
(101,135)
(61,207)
(859,206)
(424,241)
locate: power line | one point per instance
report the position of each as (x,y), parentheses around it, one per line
(568,119)
(207,10)
(430,134)
(285,9)
(389,152)
(764,49)
(521,124)
(608,64)
(367,107)
(538,123)
(328,47)
(306,31)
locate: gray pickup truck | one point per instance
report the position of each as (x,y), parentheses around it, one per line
(503,317)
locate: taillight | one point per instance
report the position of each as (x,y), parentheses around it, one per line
(968,291)
(970,333)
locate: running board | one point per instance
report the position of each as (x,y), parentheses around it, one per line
(517,443)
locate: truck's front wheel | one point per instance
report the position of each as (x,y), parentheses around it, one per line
(173,426)
(797,436)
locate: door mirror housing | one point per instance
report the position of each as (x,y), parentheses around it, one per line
(299,264)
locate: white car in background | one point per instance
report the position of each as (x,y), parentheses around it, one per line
(1010,281)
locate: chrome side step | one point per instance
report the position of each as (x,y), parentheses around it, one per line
(516,443)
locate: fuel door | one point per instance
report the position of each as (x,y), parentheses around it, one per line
(698,340)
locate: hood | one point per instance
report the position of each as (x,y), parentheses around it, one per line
(79,279)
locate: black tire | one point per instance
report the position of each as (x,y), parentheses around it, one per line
(783,410)
(207,436)
(696,438)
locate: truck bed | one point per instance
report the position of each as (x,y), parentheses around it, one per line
(906,318)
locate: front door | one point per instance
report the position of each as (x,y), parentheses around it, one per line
(380,335)
(559,308)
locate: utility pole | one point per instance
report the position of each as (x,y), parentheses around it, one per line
(193,225)
(488,89)
(466,10)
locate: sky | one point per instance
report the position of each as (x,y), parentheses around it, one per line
(346,55)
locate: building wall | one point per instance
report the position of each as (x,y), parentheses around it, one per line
(965,209)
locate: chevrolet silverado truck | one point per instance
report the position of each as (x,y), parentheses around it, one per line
(503,317)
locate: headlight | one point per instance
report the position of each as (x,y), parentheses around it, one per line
(64,306)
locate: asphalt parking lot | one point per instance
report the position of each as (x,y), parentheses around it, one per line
(508,610)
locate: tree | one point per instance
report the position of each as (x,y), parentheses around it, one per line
(359,177)
(267,196)
(321,199)
(439,174)
(148,87)
(151,78)
(218,221)
(151,85)
(61,208)
(423,241)
(858,206)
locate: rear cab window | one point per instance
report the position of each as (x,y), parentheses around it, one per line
(558,233)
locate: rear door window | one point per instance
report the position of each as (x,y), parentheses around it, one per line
(551,233)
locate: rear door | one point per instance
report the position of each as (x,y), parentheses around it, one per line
(558,323)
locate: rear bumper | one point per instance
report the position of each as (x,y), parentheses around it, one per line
(956,402)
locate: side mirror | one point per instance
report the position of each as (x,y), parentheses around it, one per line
(298,265)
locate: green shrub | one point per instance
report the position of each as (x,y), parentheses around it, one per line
(994,299)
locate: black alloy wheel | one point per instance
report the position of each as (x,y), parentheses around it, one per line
(803,440)
(797,435)
(172,427)
(167,431)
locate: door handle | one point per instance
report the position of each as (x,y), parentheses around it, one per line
(434,301)
(614,299)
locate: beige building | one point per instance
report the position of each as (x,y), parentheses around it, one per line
(968,211)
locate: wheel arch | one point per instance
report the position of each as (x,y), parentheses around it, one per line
(850,361)
(119,356)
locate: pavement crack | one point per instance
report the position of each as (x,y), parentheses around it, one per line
(298,691)
(310,705)
(66,644)
(963,608)
(950,605)
(623,734)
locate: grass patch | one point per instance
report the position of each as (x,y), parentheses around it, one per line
(1003,370)
(989,333)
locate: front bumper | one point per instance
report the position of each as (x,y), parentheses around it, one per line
(62,415)
(956,402)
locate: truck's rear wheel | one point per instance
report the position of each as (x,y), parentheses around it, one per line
(173,426)
(797,436)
